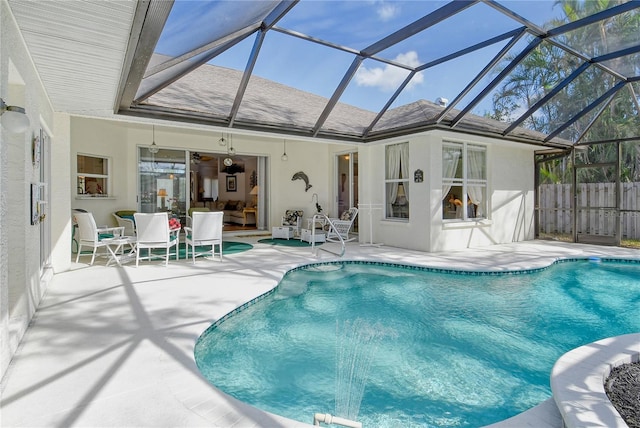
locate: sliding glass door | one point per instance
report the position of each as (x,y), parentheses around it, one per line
(163,182)
(347,183)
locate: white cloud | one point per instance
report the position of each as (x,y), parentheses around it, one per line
(387,11)
(389,77)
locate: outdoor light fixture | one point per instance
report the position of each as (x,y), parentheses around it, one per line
(153,148)
(231,151)
(14,119)
(284,156)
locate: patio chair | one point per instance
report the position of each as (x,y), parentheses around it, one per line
(193,210)
(293,219)
(90,235)
(205,230)
(124,218)
(152,231)
(342,226)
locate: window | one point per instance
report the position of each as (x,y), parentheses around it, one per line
(464,181)
(93,176)
(397,181)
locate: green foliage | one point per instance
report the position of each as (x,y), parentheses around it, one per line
(547,66)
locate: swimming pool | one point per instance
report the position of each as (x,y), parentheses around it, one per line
(450,349)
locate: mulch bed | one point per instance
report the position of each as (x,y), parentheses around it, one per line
(623,389)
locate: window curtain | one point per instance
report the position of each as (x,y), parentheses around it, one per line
(393,172)
(476,172)
(404,165)
(450,159)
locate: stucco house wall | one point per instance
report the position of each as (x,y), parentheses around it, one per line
(510,193)
(119,142)
(21,283)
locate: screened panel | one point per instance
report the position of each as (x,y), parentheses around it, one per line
(596,153)
(439,84)
(309,53)
(192,25)
(603,37)
(206,90)
(485,106)
(427,45)
(618,119)
(578,95)
(367,22)
(554,193)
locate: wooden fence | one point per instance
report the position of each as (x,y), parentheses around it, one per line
(596,209)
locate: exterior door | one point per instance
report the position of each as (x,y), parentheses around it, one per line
(45,177)
(347,182)
(163,182)
(596,204)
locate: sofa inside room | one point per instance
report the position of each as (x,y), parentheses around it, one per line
(233,210)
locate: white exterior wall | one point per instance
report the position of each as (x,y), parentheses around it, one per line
(510,175)
(21,287)
(510,195)
(119,141)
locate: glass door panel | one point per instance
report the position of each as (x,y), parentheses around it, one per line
(163,182)
(347,191)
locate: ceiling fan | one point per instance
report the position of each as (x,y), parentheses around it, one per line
(196,158)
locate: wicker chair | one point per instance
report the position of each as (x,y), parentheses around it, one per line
(342,226)
(124,218)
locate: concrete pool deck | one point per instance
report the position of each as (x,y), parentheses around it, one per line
(113,346)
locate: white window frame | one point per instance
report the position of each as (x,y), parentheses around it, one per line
(106,191)
(465,182)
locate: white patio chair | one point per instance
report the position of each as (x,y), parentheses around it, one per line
(342,226)
(90,235)
(152,231)
(205,230)
(125,219)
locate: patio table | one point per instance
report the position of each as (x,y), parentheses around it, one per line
(116,247)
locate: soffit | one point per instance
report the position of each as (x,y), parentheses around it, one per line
(78,48)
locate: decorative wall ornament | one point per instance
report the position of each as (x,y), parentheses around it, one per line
(36,147)
(302,176)
(38,202)
(232,183)
(418,176)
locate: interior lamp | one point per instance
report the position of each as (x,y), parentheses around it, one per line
(284,156)
(254,193)
(162,193)
(401,197)
(153,148)
(14,119)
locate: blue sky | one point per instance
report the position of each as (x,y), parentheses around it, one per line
(354,24)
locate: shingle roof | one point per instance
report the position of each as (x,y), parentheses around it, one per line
(209,91)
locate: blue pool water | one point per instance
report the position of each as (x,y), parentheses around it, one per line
(449,349)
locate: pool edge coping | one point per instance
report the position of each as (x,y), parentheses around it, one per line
(578,378)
